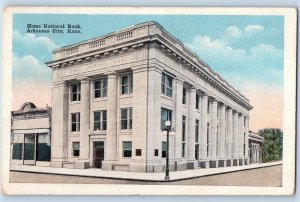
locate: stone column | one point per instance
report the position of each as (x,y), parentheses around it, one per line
(213,134)
(83,161)
(139,117)
(203,132)
(235,138)
(191,129)
(111,134)
(178,111)
(241,139)
(59,136)
(247,141)
(229,137)
(222,137)
(154,116)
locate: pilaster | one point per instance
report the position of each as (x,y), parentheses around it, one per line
(213,134)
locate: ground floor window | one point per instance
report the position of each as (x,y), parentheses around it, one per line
(17,151)
(43,148)
(197,151)
(127,149)
(164,150)
(76,148)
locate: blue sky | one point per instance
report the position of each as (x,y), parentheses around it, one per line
(245,50)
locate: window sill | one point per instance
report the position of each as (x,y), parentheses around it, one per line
(125,131)
(126,95)
(99,132)
(99,99)
(75,102)
(167,97)
(74,133)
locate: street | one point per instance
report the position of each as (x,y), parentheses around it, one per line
(267,176)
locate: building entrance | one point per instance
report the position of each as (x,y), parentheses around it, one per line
(98,154)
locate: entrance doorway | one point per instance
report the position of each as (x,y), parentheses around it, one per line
(98,154)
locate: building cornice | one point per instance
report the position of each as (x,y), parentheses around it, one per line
(135,37)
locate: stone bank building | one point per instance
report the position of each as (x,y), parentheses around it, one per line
(112,95)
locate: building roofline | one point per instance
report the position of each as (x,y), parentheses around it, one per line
(188,53)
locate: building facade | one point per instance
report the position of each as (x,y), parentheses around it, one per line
(113,94)
(31,135)
(255,147)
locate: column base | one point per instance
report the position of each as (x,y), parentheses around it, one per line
(192,165)
(82,164)
(204,164)
(107,165)
(180,165)
(246,160)
(56,163)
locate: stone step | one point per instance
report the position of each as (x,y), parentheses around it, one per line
(69,165)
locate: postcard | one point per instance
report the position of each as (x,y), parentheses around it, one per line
(148,101)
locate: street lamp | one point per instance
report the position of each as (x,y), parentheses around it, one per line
(168,128)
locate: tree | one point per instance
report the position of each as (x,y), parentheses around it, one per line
(272,144)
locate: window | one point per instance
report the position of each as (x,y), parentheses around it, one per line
(100,120)
(138,152)
(244,121)
(155,152)
(197,101)
(183,127)
(76,148)
(184,96)
(127,84)
(244,145)
(208,106)
(197,131)
(164,150)
(126,118)
(166,85)
(75,125)
(75,92)
(166,114)
(183,150)
(197,151)
(127,149)
(183,136)
(207,140)
(100,88)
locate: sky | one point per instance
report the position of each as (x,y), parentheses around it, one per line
(247,51)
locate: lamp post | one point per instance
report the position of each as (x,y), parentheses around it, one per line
(168,128)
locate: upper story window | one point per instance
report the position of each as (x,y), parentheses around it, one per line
(208,106)
(100,120)
(75,92)
(100,88)
(126,84)
(166,85)
(75,122)
(197,131)
(184,96)
(197,101)
(126,118)
(166,114)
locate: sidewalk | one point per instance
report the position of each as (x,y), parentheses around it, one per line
(174,176)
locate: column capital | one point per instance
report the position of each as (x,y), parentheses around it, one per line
(234,111)
(83,79)
(192,89)
(111,74)
(178,79)
(214,100)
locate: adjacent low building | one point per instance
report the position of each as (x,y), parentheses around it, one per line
(31,135)
(112,95)
(255,147)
